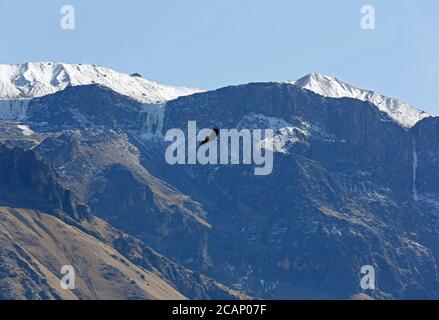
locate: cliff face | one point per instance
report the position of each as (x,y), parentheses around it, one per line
(340,196)
(345,134)
(425,135)
(26,181)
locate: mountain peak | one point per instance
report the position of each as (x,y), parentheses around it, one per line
(402,113)
(36,79)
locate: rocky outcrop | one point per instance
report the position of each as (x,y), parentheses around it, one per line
(425,135)
(26,181)
(156,214)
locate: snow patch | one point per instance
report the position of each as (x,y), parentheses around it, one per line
(25,130)
(284,134)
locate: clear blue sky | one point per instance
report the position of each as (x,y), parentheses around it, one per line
(209,43)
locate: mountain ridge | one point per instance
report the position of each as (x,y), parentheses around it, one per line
(401,112)
(21,82)
(32,80)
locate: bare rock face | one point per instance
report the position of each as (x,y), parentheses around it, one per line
(426,146)
(126,199)
(26,181)
(340,196)
(344,133)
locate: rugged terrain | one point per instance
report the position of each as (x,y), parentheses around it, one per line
(354,183)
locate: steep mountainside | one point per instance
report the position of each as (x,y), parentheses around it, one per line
(55,230)
(353,184)
(35,246)
(340,195)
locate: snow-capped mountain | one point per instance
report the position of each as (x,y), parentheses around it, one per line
(31,80)
(404,114)
(20,82)
(348,188)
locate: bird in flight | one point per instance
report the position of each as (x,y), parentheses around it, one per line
(212,137)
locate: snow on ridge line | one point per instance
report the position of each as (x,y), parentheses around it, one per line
(402,113)
(20,82)
(31,80)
